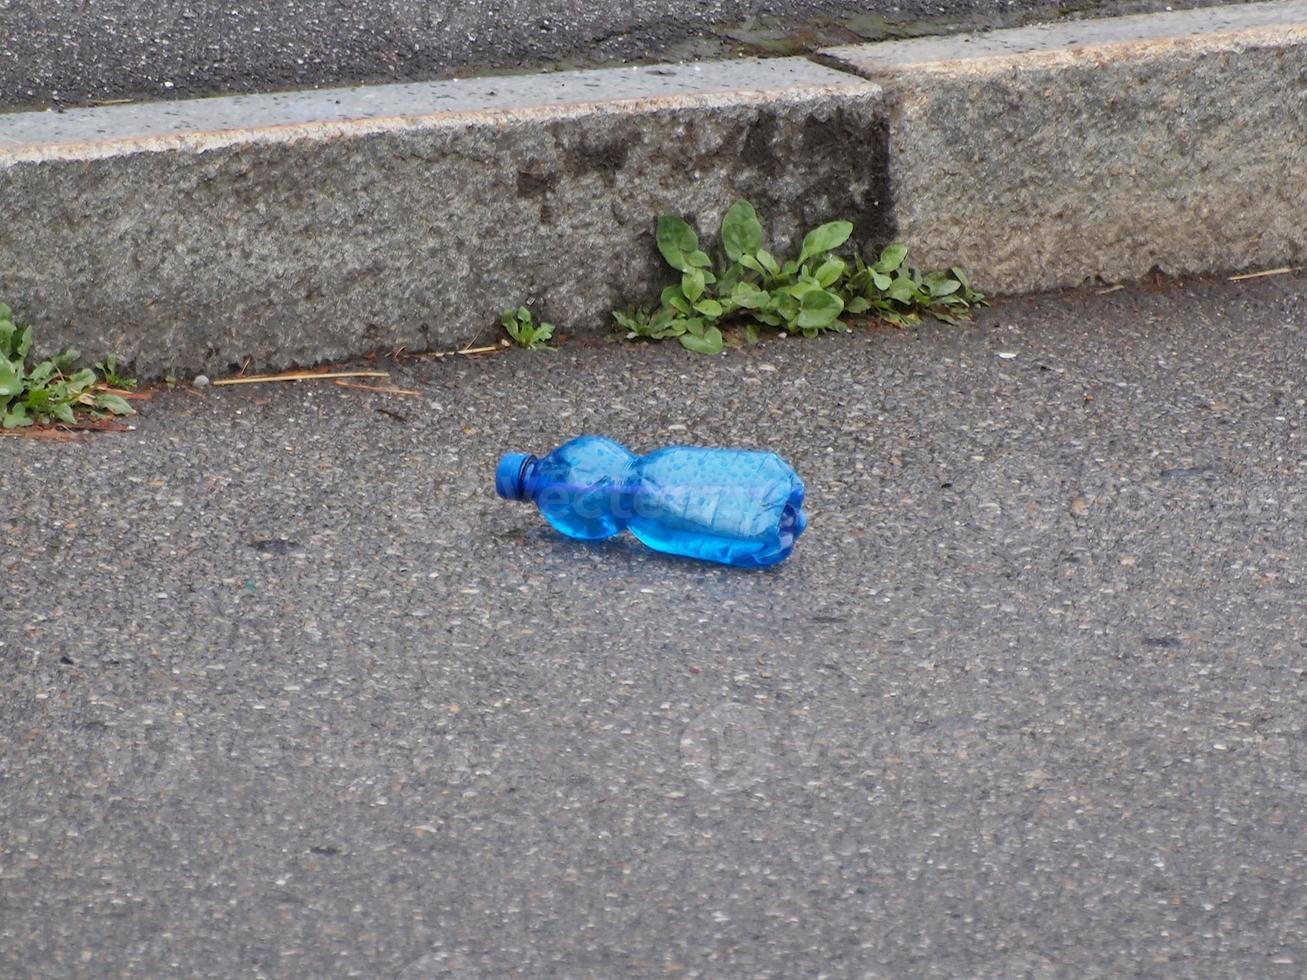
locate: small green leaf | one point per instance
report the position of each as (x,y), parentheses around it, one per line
(830,270)
(748,296)
(891,258)
(819,309)
(751,332)
(64,413)
(961,277)
(113,403)
(15,418)
(766,260)
(880,281)
(709,308)
(741,231)
(692,284)
(829,236)
(708,342)
(11,378)
(660,324)
(786,305)
(902,289)
(676,240)
(24,343)
(944,287)
(858,304)
(674,298)
(699,260)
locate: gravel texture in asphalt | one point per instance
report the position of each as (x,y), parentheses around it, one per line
(54,53)
(286,691)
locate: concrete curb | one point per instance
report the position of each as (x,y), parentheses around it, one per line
(1045,156)
(294,228)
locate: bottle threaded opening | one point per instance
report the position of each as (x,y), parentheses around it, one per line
(510,475)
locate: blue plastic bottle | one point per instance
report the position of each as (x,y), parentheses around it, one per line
(732,506)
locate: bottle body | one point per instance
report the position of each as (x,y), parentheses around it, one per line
(736,507)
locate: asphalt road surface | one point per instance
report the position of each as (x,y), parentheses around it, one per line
(286,691)
(58,52)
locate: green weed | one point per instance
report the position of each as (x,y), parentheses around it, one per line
(52,390)
(815,291)
(525,332)
(108,369)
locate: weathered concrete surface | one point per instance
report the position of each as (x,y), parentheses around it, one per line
(287,692)
(295,228)
(1045,156)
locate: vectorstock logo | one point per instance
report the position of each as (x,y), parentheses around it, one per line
(143,753)
(733,747)
(729,748)
(147,755)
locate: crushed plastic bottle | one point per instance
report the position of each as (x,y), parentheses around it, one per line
(734,506)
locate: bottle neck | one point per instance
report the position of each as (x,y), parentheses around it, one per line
(515,476)
(528,478)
